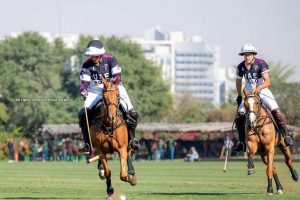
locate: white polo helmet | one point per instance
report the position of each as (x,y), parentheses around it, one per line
(248,48)
(94,48)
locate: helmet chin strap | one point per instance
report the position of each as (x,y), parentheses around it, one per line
(252,61)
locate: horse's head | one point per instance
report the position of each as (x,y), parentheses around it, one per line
(252,105)
(111,97)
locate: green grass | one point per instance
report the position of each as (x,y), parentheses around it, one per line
(156,180)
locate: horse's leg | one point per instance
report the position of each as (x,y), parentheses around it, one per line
(107,174)
(277,182)
(275,176)
(131,172)
(252,146)
(288,160)
(123,158)
(101,170)
(270,156)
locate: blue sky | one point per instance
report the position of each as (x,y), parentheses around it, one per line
(273,26)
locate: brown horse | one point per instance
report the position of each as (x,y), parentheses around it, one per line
(261,136)
(109,134)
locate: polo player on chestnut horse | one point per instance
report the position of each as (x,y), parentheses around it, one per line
(263,136)
(116,119)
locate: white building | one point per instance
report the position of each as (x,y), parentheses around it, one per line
(187,64)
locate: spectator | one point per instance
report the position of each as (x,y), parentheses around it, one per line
(227,145)
(45,150)
(171,146)
(10,146)
(17,150)
(193,155)
(35,149)
(162,147)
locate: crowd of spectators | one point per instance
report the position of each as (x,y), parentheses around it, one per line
(43,149)
(65,148)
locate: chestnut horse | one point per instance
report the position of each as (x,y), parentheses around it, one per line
(261,136)
(109,134)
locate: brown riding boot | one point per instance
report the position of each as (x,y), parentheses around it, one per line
(281,122)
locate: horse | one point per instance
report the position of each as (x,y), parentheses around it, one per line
(109,134)
(261,136)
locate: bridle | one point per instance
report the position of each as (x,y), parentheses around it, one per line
(258,113)
(116,105)
(259,105)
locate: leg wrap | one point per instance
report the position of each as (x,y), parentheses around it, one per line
(130,167)
(250,162)
(277,182)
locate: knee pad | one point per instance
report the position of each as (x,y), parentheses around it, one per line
(133,117)
(133,114)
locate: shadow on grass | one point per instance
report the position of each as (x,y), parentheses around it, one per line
(37,198)
(202,193)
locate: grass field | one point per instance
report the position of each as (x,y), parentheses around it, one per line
(156,180)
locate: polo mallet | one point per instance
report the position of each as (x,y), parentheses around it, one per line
(226,156)
(228,145)
(88,127)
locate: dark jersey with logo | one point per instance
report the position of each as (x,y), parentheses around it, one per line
(108,68)
(253,76)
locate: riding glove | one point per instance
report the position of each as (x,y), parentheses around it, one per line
(239,100)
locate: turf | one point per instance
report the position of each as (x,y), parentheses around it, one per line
(156,180)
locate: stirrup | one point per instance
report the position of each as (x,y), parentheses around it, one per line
(134,144)
(85,149)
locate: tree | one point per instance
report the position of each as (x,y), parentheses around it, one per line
(188,109)
(287,94)
(226,113)
(31,75)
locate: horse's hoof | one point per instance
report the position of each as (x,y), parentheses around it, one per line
(132,180)
(270,194)
(280,192)
(101,174)
(110,197)
(295,175)
(110,192)
(251,171)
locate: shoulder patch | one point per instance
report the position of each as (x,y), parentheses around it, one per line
(260,60)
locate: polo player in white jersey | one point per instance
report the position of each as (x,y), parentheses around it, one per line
(257,80)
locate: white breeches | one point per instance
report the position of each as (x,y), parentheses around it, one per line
(267,98)
(95,95)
